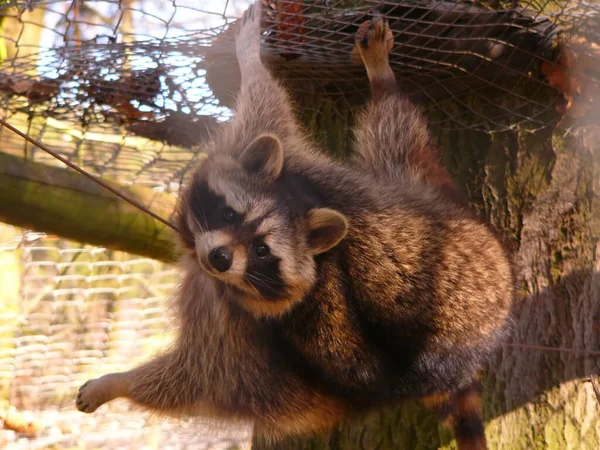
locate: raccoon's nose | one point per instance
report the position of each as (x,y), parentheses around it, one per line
(220,258)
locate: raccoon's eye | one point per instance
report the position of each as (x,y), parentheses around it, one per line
(262,250)
(229,215)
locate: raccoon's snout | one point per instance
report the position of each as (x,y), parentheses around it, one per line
(220,258)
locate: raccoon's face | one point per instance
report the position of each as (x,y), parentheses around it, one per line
(256,231)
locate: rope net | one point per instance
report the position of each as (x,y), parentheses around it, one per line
(127,88)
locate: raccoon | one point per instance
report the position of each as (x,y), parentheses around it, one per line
(315,289)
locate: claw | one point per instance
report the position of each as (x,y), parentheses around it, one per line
(376,29)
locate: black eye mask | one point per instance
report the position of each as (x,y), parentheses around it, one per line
(210,209)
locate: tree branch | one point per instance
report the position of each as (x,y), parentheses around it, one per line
(60,201)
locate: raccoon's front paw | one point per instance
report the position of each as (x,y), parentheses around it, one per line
(247,39)
(95,393)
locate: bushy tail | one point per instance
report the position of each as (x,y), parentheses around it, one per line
(392,136)
(466,419)
(462,412)
(393,142)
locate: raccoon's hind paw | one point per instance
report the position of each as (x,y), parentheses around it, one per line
(247,39)
(252,14)
(374,39)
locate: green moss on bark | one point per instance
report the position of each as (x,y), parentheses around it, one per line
(63,202)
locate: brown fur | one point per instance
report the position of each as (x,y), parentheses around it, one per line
(389,288)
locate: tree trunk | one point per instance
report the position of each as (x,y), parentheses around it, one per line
(538,190)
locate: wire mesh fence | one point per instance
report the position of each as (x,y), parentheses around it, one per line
(69,312)
(127,89)
(81,73)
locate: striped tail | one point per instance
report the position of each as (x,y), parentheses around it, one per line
(462,412)
(392,137)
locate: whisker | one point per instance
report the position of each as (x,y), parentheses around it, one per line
(258,281)
(254,289)
(264,282)
(201,226)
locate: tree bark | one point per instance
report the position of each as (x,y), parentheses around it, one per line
(61,201)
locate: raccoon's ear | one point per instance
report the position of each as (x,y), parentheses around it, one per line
(326,228)
(264,157)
